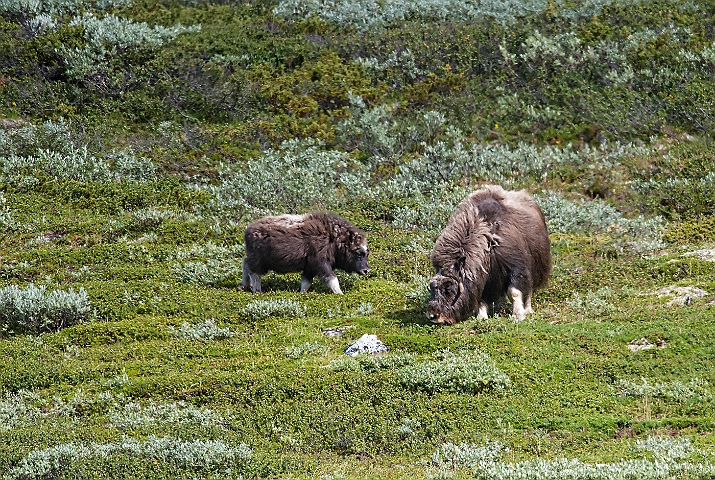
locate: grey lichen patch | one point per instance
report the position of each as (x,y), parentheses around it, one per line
(681,295)
(707,255)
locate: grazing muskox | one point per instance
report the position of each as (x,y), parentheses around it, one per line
(313,243)
(495,244)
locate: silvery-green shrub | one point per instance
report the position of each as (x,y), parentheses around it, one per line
(110,36)
(458,372)
(695,390)
(69,164)
(429,213)
(14,269)
(25,10)
(666,448)
(209,264)
(371,130)
(27,139)
(195,455)
(115,34)
(7,222)
(25,408)
(373,363)
(417,292)
(364,15)
(36,309)
(466,455)
(596,216)
(483,462)
(260,309)
(301,176)
(593,304)
(207,330)
(210,250)
(397,60)
(134,415)
(129,166)
(118,380)
(307,348)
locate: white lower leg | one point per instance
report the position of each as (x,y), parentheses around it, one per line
(527,307)
(305,283)
(245,276)
(483,311)
(255,283)
(334,285)
(517,298)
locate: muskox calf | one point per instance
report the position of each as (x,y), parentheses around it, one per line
(313,243)
(495,244)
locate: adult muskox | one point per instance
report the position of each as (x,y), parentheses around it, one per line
(495,244)
(313,243)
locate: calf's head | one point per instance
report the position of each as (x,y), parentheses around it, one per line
(355,253)
(449,300)
(357,260)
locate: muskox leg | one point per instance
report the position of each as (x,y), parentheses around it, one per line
(333,284)
(527,306)
(483,311)
(255,283)
(517,298)
(246,276)
(305,283)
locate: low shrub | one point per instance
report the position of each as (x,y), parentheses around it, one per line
(366,15)
(34,309)
(594,304)
(372,363)
(301,176)
(207,330)
(261,309)
(482,462)
(197,455)
(695,390)
(131,416)
(307,348)
(459,372)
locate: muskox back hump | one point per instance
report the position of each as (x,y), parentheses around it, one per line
(491,210)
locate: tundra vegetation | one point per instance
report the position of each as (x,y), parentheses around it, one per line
(138,139)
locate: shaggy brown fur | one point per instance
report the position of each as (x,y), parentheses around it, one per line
(496,243)
(313,243)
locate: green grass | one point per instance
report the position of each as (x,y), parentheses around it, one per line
(299,416)
(604,112)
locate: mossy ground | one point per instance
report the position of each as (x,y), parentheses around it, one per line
(219,98)
(303,419)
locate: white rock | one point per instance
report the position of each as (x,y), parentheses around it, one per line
(366,344)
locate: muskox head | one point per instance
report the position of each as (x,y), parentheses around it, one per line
(449,300)
(357,260)
(354,252)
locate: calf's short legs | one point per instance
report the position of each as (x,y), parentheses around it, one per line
(305,283)
(333,284)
